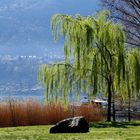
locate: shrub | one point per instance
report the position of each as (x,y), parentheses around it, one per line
(31,112)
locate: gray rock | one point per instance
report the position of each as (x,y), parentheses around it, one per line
(71,125)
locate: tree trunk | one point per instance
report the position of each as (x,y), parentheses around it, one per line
(109,100)
(129,106)
(114,111)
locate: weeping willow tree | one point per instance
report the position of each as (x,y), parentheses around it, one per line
(94,55)
(133,76)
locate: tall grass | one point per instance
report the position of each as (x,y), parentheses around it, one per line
(32,112)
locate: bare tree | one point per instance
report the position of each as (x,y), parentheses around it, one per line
(127,12)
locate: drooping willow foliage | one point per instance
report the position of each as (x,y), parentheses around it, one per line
(133,71)
(131,84)
(95,58)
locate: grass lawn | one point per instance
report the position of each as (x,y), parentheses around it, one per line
(103,131)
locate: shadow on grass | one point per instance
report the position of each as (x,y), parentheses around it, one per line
(115,124)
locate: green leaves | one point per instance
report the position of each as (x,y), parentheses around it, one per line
(94,51)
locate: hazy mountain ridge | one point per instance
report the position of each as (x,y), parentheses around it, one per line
(25,32)
(18,75)
(25,24)
(22,68)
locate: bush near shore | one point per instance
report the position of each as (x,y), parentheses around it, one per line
(32,112)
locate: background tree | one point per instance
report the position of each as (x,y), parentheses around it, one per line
(129,88)
(133,76)
(127,12)
(94,57)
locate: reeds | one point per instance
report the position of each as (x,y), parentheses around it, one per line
(31,112)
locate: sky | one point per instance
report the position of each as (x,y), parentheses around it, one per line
(25,24)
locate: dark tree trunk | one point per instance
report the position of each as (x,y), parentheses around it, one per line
(129,107)
(109,100)
(114,111)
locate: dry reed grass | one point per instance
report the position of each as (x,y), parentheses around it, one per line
(31,112)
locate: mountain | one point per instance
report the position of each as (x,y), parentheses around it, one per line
(22,69)
(26,41)
(25,24)
(19,75)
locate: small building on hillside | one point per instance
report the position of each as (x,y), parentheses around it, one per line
(100,102)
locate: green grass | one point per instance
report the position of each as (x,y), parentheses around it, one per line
(102,131)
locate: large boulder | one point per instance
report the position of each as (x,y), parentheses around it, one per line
(71,125)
